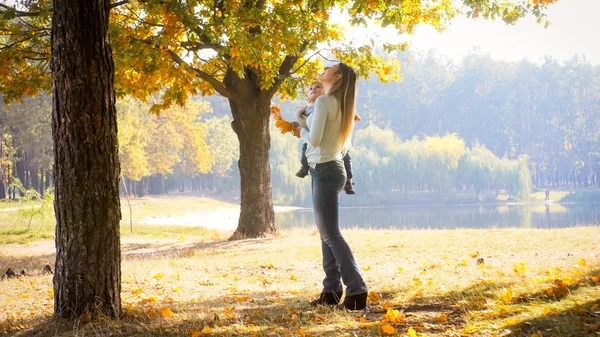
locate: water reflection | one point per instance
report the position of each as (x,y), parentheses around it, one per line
(439,217)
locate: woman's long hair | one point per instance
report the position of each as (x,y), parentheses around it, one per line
(344,91)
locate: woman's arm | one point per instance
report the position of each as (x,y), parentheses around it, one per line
(317,126)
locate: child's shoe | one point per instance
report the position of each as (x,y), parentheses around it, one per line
(302,172)
(348,188)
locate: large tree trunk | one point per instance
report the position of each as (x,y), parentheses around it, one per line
(251,124)
(86,161)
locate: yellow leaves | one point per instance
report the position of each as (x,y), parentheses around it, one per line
(542,2)
(205,332)
(507,296)
(519,268)
(366,268)
(417,281)
(285,126)
(412,333)
(393,316)
(387,329)
(175,289)
(136,291)
(229,312)
(149,299)
(595,278)
(442,318)
(558,289)
(462,263)
(166,312)
(474,255)
(537,334)
(159,276)
(374,297)
(581,262)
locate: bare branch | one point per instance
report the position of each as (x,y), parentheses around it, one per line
(17,12)
(285,69)
(117,4)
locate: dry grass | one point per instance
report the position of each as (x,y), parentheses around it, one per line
(531,283)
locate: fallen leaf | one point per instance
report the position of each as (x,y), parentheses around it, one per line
(387,329)
(441,318)
(393,316)
(159,276)
(506,296)
(581,262)
(175,289)
(166,312)
(519,268)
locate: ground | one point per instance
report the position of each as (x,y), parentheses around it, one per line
(190,281)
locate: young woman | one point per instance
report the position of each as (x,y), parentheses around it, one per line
(326,131)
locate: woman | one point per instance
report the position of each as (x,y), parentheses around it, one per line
(327,131)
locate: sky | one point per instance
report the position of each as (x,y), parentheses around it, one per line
(574,29)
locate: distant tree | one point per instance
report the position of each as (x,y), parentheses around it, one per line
(247,51)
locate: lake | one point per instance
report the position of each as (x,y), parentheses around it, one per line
(452,217)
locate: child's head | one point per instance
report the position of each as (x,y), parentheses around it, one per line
(315,90)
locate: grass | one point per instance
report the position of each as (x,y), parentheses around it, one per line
(532,282)
(14,220)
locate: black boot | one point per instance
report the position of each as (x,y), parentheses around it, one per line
(355,302)
(302,172)
(327,299)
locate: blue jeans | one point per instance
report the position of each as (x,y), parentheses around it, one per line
(328,179)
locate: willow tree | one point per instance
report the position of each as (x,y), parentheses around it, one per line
(245,50)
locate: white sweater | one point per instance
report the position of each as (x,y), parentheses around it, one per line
(324,125)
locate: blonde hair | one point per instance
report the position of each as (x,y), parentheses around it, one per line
(344,91)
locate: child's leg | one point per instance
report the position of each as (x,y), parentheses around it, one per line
(303,172)
(348,165)
(303,159)
(348,188)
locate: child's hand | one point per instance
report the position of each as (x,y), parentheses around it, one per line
(297,132)
(299,111)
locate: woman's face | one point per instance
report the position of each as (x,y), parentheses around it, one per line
(331,74)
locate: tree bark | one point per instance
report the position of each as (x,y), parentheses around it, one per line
(86,163)
(251,124)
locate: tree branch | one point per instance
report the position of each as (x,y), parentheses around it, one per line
(216,84)
(285,69)
(18,13)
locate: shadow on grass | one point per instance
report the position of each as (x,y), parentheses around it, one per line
(264,313)
(157,250)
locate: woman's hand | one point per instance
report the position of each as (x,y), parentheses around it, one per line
(301,120)
(299,111)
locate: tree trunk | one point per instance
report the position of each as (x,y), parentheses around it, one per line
(86,163)
(251,124)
